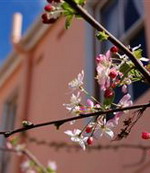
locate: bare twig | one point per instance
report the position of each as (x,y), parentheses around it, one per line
(58,123)
(87,17)
(129,124)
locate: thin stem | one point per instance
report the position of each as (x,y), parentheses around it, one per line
(87,17)
(35,160)
(88,94)
(126,73)
(58,123)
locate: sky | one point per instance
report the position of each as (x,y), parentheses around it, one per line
(30,9)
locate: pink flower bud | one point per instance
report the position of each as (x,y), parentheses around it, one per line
(145,135)
(90,141)
(88,129)
(114,49)
(124,89)
(113,73)
(90,103)
(109,93)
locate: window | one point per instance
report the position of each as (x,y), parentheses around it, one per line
(125,20)
(8,123)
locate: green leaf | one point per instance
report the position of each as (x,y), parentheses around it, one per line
(68,10)
(68,21)
(124,67)
(136,75)
(108,101)
(80,2)
(49,170)
(102,36)
(14,141)
(138,53)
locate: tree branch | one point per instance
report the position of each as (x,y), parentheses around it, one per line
(87,17)
(58,123)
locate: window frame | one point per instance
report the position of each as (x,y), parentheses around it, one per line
(8,110)
(125,37)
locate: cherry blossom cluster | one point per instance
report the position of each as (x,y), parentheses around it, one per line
(31,163)
(56,8)
(52,11)
(114,70)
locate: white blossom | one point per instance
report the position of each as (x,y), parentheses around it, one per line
(74,102)
(77,82)
(26,165)
(77,137)
(52,165)
(105,128)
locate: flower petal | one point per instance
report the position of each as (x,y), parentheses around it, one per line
(68,132)
(109,133)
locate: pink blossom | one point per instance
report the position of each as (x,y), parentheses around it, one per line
(103,70)
(103,77)
(9,145)
(104,60)
(125,101)
(124,89)
(115,120)
(90,103)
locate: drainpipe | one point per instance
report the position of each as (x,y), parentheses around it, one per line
(25,84)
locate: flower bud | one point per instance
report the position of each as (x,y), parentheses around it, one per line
(114,49)
(90,141)
(109,93)
(145,135)
(88,129)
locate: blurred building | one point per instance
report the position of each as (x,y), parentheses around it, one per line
(33,86)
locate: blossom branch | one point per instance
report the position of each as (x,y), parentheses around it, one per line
(28,154)
(87,17)
(58,123)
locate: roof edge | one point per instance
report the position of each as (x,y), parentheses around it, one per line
(28,41)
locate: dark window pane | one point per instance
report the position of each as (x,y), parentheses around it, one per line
(131,14)
(138,87)
(108,19)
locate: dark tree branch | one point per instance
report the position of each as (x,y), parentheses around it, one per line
(87,17)
(58,123)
